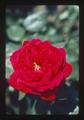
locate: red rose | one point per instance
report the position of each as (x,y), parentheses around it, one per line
(39,68)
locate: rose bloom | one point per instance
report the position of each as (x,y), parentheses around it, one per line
(39,69)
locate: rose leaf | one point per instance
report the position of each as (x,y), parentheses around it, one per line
(21,95)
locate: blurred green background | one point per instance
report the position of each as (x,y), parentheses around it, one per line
(56,23)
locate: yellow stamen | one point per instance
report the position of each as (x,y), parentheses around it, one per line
(36,67)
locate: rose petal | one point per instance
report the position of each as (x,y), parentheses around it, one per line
(35,41)
(63,56)
(14,58)
(13,80)
(26,42)
(53,83)
(17,83)
(45,80)
(47,43)
(49,98)
(63,52)
(67,70)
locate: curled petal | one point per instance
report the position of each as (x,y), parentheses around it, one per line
(67,70)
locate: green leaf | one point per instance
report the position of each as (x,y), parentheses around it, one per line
(10,48)
(21,95)
(36,26)
(55,39)
(71,57)
(11,89)
(64,15)
(15,32)
(9,20)
(35,22)
(60,44)
(73,50)
(9,70)
(51,31)
(33,111)
(49,112)
(75,111)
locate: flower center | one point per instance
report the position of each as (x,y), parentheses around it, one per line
(36,67)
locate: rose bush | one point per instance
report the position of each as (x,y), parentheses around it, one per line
(39,68)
